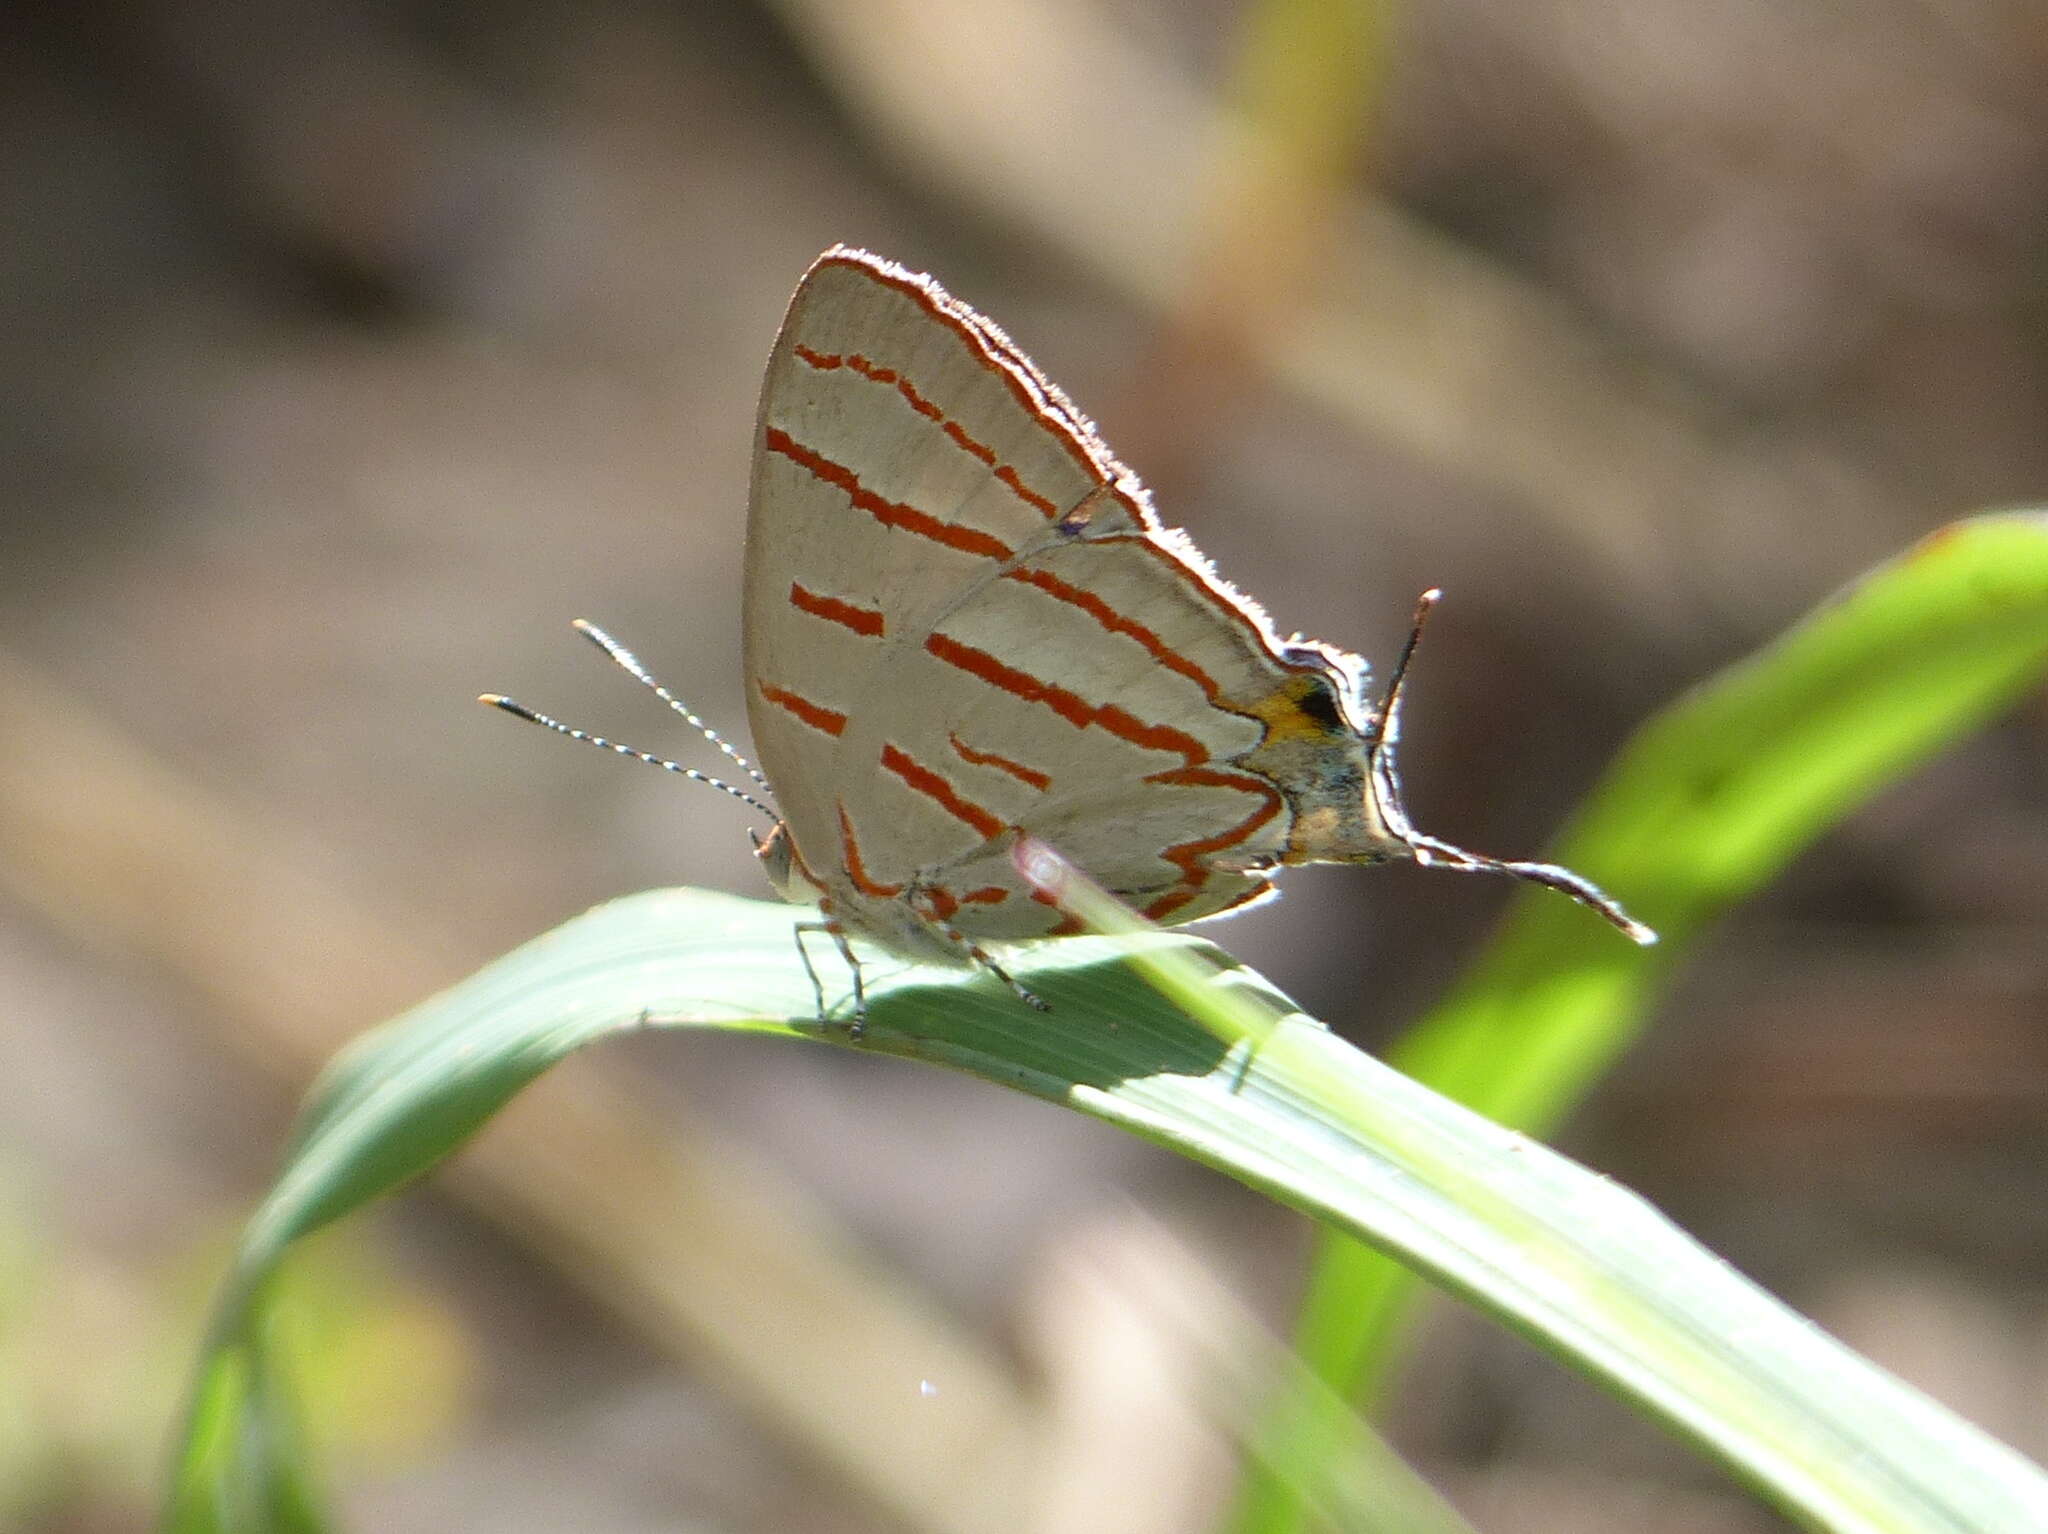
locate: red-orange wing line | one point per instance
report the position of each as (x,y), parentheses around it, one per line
(1070,706)
(856,870)
(1028,775)
(969,540)
(936,788)
(1001,356)
(862,620)
(945,905)
(1117,623)
(1069,925)
(816,715)
(1187,856)
(969,444)
(1234,607)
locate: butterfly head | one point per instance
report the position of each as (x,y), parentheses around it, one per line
(1336,754)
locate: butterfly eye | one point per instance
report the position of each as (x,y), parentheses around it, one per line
(1320,704)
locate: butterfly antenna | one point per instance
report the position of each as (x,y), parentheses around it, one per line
(1430,851)
(533,716)
(629,663)
(1390,711)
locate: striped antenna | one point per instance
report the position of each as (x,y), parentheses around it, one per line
(630,664)
(534,716)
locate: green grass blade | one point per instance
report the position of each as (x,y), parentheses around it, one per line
(1565,1257)
(243,1465)
(1718,793)
(1708,802)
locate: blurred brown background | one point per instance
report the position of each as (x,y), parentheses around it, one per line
(348,352)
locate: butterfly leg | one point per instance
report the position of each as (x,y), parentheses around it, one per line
(859,1024)
(927,906)
(980,956)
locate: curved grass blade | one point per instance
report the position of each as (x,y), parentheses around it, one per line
(1584,1268)
(1708,802)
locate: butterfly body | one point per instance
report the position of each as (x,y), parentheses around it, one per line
(965,624)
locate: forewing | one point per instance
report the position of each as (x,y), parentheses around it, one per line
(905,452)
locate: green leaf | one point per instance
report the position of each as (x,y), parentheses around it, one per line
(1569,1259)
(242,1467)
(1708,802)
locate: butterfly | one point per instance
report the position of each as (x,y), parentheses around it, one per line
(964,625)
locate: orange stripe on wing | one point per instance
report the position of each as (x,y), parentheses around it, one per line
(1070,706)
(1114,621)
(1069,925)
(999,355)
(874,371)
(930,784)
(945,905)
(1188,856)
(1185,563)
(1031,775)
(862,620)
(849,849)
(1025,493)
(816,715)
(968,540)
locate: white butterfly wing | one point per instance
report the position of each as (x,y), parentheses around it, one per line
(962,621)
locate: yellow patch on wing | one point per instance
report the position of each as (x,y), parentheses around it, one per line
(1285,717)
